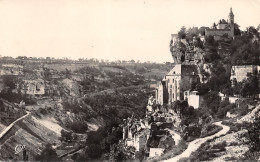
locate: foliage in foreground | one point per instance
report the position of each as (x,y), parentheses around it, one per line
(48,154)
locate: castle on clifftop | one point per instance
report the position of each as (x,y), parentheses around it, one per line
(223,27)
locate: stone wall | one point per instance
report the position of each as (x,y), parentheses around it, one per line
(217,32)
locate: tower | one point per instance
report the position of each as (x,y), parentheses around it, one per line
(231,22)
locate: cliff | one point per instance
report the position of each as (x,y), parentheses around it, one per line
(184,52)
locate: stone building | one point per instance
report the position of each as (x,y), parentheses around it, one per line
(241,72)
(136,133)
(156,152)
(161,94)
(193,98)
(222,28)
(178,80)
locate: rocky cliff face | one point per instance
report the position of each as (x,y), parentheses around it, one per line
(186,53)
(178,51)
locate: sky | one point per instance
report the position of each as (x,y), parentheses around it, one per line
(109,29)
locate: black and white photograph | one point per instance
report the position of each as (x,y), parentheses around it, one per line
(130,80)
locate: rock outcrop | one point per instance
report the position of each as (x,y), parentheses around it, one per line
(186,53)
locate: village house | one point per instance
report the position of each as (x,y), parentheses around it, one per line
(161,95)
(153,84)
(156,152)
(193,98)
(136,133)
(140,133)
(241,72)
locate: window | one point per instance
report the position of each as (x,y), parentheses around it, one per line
(172,80)
(170,86)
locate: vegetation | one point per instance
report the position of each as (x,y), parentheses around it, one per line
(100,142)
(66,136)
(79,126)
(253,132)
(176,150)
(120,153)
(47,154)
(210,130)
(206,152)
(17,97)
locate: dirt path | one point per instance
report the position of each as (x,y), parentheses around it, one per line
(175,136)
(11,125)
(194,145)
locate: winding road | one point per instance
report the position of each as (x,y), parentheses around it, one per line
(175,136)
(194,145)
(11,125)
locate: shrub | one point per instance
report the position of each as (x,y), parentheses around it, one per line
(210,130)
(66,136)
(221,146)
(176,150)
(47,154)
(79,127)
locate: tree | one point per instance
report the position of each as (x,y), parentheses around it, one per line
(191,32)
(120,153)
(79,126)
(250,87)
(254,132)
(251,31)
(258,28)
(94,151)
(236,29)
(47,154)
(182,33)
(66,135)
(212,101)
(214,26)
(167,143)
(9,81)
(198,43)
(254,140)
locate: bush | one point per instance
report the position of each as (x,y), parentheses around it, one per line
(47,154)
(221,146)
(66,136)
(176,150)
(79,127)
(210,130)
(234,127)
(212,101)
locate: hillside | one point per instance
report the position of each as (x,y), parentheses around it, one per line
(80,98)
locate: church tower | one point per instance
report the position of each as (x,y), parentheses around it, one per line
(231,22)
